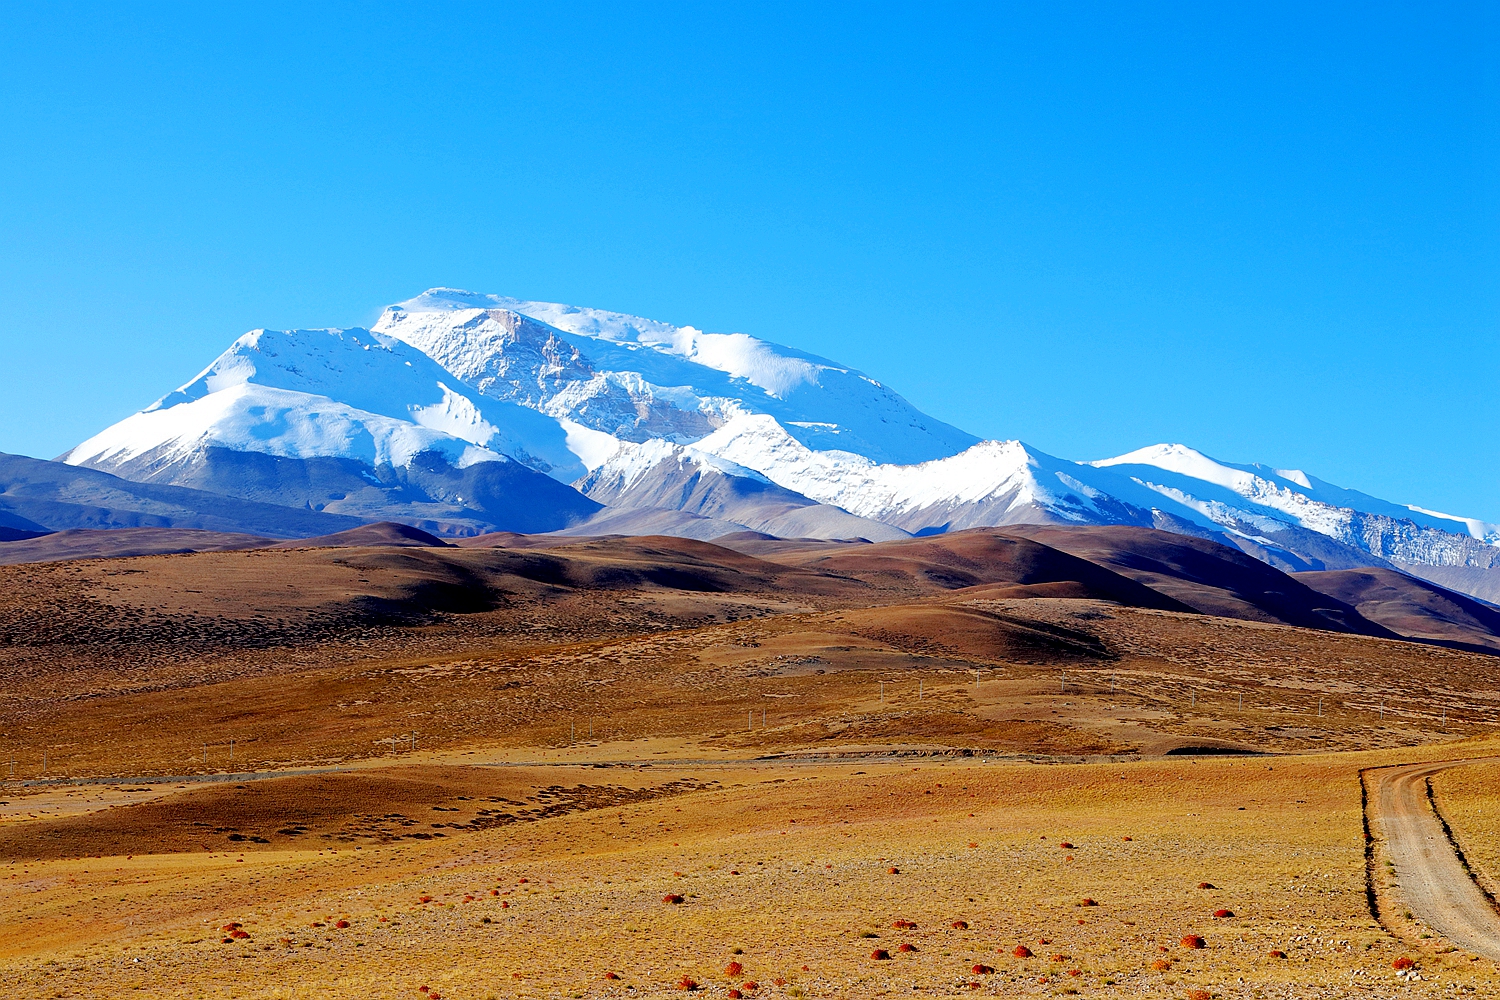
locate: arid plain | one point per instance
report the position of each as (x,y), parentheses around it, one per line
(973,764)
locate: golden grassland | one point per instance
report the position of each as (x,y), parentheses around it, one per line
(802,768)
(785,868)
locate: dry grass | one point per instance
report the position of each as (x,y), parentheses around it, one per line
(1005,728)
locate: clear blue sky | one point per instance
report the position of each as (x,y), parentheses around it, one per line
(1266,231)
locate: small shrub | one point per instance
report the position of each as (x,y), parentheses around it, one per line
(687,984)
(982,970)
(673,899)
(1022,951)
(1161,965)
(1193,941)
(1065,846)
(341,924)
(880,955)
(1222,914)
(960,925)
(734,994)
(1207,885)
(733,970)
(907,947)
(1403,963)
(1277,953)
(1199,995)
(1088,902)
(904,925)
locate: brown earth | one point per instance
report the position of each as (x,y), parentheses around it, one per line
(597,715)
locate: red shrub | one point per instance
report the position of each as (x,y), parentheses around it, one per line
(504,904)
(494,892)
(1127,838)
(734,994)
(904,925)
(1065,846)
(424,989)
(424,899)
(1075,972)
(1402,963)
(893,870)
(1043,940)
(1193,941)
(982,970)
(733,970)
(752,985)
(239,935)
(906,946)
(960,925)
(1199,995)
(1059,958)
(342,924)
(779,981)
(1277,953)
(610,975)
(673,899)
(1207,885)
(1022,951)
(687,984)
(1221,914)
(1088,902)
(880,955)
(1161,965)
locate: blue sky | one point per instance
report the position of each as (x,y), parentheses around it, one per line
(1269,231)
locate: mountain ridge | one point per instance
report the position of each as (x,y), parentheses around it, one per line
(731,431)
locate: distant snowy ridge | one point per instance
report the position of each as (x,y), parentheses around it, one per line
(1259,502)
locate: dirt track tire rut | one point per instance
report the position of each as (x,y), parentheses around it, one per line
(1433,880)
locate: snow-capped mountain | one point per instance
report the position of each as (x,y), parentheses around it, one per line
(636,379)
(327,394)
(347,421)
(440,414)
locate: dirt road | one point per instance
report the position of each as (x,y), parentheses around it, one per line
(1433,881)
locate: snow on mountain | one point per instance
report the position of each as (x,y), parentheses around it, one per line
(990,483)
(1264,503)
(658,474)
(638,379)
(678,429)
(348,394)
